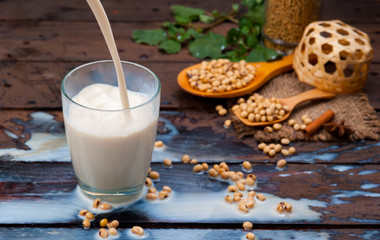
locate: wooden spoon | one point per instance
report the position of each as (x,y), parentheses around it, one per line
(291,102)
(264,72)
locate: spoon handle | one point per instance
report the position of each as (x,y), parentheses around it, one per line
(270,70)
(307,96)
(281,66)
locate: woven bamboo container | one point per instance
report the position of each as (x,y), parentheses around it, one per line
(333,56)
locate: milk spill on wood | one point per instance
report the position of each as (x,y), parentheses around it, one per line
(311,157)
(175,234)
(59,207)
(367,172)
(295,173)
(342,168)
(324,155)
(369,186)
(48,143)
(191,206)
(47,140)
(358,220)
(339,195)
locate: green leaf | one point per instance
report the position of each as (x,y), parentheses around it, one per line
(252,3)
(256,30)
(182,20)
(206,19)
(194,33)
(245,22)
(238,53)
(245,30)
(183,35)
(173,31)
(261,53)
(256,14)
(233,36)
(235,7)
(249,3)
(210,45)
(170,46)
(150,37)
(215,13)
(166,24)
(187,12)
(251,40)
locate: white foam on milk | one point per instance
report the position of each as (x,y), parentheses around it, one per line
(111,121)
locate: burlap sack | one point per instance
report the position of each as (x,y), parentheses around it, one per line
(354,109)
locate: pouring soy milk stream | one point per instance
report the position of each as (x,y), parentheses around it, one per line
(110,129)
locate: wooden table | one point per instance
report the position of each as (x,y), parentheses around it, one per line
(334,187)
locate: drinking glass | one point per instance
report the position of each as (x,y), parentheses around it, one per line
(111,150)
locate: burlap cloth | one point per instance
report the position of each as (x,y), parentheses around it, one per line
(354,109)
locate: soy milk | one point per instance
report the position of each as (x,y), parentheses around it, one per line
(110,130)
(110,150)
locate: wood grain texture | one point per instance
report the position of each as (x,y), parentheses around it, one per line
(198,132)
(347,203)
(190,234)
(126,11)
(82,41)
(158,10)
(43,40)
(41,81)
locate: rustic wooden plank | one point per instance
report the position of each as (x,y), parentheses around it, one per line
(41,81)
(82,41)
(190,234)
(320,194)
(71,10)
(350,11)
(158,10)
(197,132)
(373,85)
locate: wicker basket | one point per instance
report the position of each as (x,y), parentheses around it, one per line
(333,56)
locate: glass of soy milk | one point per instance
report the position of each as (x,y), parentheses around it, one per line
(110,146)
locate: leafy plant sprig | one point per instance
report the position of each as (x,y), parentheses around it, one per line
(192,28)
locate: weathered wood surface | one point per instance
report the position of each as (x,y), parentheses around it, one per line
(343,195)
(82,41)
(191,234)
(43,40)
(198,132)
(158,10)
(42,81)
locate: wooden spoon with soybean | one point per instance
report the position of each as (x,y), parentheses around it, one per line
(291,102)
(264,72)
